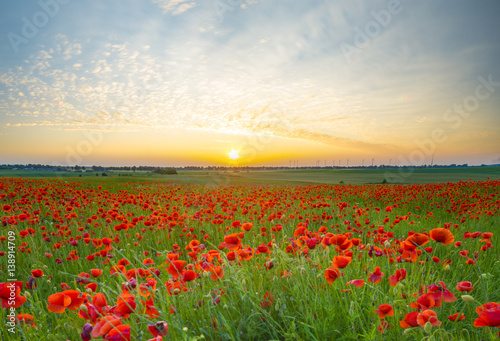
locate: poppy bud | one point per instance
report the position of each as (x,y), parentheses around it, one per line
(467,298)
(87,329)
(428,327)
(408,331)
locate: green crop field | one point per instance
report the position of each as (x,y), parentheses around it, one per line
(308,176)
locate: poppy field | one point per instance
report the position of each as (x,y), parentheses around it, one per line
(148,261)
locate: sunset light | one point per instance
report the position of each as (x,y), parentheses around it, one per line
(179,83)
(233,154)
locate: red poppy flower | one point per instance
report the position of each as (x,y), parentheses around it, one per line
(37,273)
(231,242)
(416,239)
(246,227)
(489,317)
(410,320)
(262,248)
(357,282)
(189,275)
(425,302)
(398,276)
(383,326)
(486,306)
(96,272)
(27,319)
(91,286)
(464,286)
(441,293)
(125,305)
(216,273)
(151,310)
(456,316)
(68,299)
(341,262)
(160,328)
(442,235)
(428,316)
(331,274)
(268,300)
(105,324)
(376,276)
(99,301)
(384,310)
(175,267)
(341,240)
(6,290)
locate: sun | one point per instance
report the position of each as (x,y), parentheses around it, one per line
(233,154)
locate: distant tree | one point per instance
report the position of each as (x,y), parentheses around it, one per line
(164,171)
(384,181)
(104,174)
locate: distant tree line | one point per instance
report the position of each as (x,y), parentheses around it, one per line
(165,171)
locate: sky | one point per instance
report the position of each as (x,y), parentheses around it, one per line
(186,82)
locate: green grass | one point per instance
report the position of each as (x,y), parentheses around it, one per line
(312,176)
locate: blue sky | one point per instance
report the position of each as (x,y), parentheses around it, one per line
(185,82)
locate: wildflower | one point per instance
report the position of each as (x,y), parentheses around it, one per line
(383,326)
(37,273)
(331,274)
(398,276)
(428,316)
(341,262)
(160,328)
(268,300)
(464,286)
(68,299)
(384,310)
(376,276)
(488,317)
(356,282)
(6,291)
(442,235)
(456,317)
(410,320)
(104,325)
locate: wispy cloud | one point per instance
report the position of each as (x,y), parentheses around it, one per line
(175,7)
(271,67)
